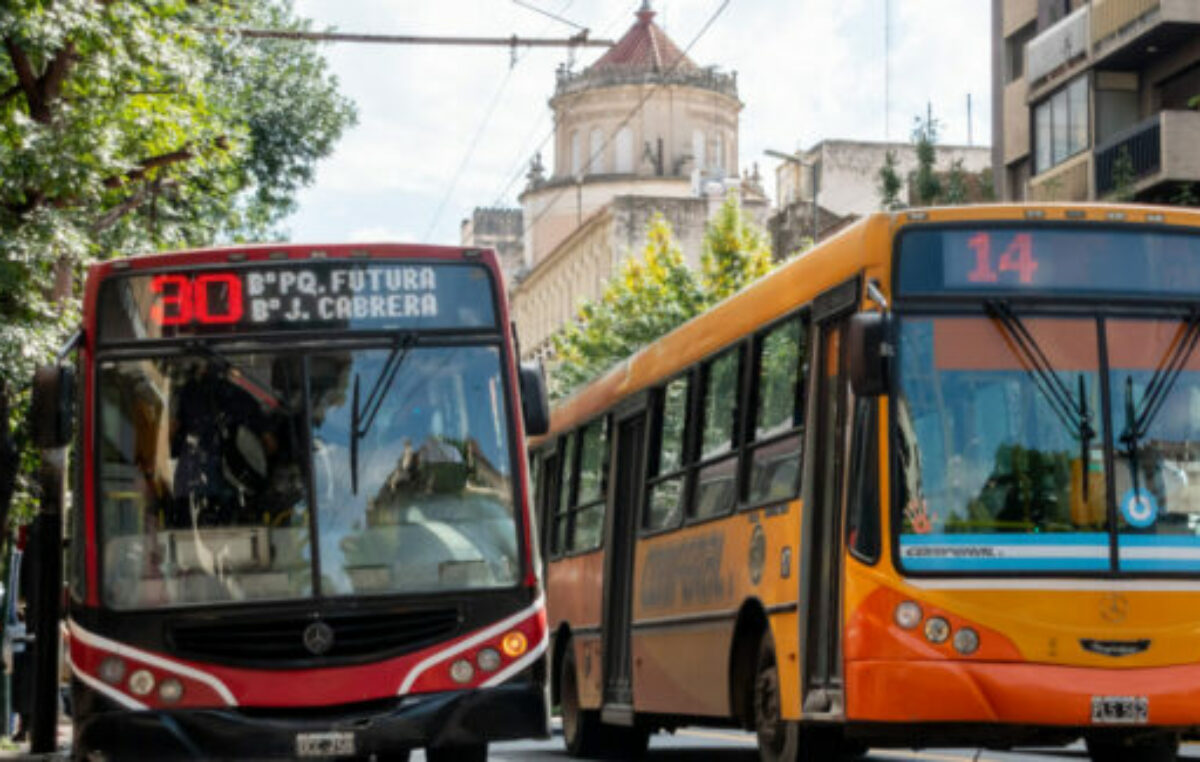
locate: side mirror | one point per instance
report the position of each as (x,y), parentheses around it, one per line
(52,408)
(535,402)
(869,352)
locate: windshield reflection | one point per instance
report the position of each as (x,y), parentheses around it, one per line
(433,506)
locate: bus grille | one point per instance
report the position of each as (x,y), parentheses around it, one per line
(282,641)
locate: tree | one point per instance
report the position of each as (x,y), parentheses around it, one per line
(889,183)
(650,295)
(927,186)
(1123,176)
(130,126)
(956,184)
(735,252)
(656,292)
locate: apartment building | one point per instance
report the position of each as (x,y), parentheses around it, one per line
(1095,96)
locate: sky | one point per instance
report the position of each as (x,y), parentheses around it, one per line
(442,130)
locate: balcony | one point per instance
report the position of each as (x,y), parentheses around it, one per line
(1123,31)
(1160,149)
(1059,47)
(1068,181)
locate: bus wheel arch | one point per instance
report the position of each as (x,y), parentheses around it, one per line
(743,659)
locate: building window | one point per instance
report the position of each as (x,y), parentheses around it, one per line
(1061,125)
(596,154)
(698,148)
(625,150)
(719,153)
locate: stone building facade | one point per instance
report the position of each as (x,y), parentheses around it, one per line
(499,229)
(643,129)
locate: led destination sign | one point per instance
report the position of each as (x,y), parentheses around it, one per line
(291,297)
(1112,261)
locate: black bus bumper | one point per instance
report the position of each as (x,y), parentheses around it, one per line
(510,711)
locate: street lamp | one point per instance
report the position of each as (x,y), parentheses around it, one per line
(811,166)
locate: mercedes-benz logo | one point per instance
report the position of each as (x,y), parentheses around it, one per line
(318,638)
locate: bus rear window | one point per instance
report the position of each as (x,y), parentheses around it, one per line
(297,296)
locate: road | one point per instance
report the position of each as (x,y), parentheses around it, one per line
(710,745)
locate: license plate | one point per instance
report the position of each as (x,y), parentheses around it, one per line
(1120,710)
(331,744)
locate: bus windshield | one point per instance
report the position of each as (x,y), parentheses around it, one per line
(226,476)
(1000,445)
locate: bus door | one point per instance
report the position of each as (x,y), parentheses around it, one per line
(627,477)
(821,541)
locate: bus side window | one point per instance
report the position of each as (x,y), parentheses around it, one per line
(561,533)
(588,510)
(777,429)
(668,458)
(862,516)
(716,479)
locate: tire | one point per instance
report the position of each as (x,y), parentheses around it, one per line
(778,740)
(1158,747)
(582,730)
(473,753)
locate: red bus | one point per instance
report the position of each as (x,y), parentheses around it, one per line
(301,523)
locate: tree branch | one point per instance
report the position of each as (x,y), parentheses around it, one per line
(27,79)
(56,72)
(112,216)
(154,162)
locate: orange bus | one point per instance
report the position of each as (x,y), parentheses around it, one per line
(928,484)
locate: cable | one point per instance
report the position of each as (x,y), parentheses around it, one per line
(518,171)
(632,113)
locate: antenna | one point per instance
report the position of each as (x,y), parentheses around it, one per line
(970,141)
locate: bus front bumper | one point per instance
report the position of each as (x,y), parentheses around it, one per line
(965,691)
(510,711)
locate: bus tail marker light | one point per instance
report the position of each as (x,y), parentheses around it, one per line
(461,671)
(908,615)
(966,641)
(514,644)
(937,629)
(141,682)
(112,670)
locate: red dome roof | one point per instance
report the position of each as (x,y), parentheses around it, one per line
(645,47)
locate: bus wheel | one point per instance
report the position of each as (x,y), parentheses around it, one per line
(1156,747)
(581,727)
(473,753)
(778,740)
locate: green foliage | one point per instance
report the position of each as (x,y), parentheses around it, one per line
(650,295)
(927,186)
(655,292)
(956,184)
(1123,176)
(1186,195)
(133,126)
(889,183)
(735,252)
(987,185)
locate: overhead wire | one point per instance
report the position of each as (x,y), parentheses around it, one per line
(632,113)
(518,170)
(483,124)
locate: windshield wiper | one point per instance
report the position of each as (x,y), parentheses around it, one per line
(239,373)
(1073,415)
(362,417)
(1161,383)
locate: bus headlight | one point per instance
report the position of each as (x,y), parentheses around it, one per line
(488,660)
(937,629)
(112,670)
(141,682)
(966,641)
(170,691)
(461,671)
(908,615)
